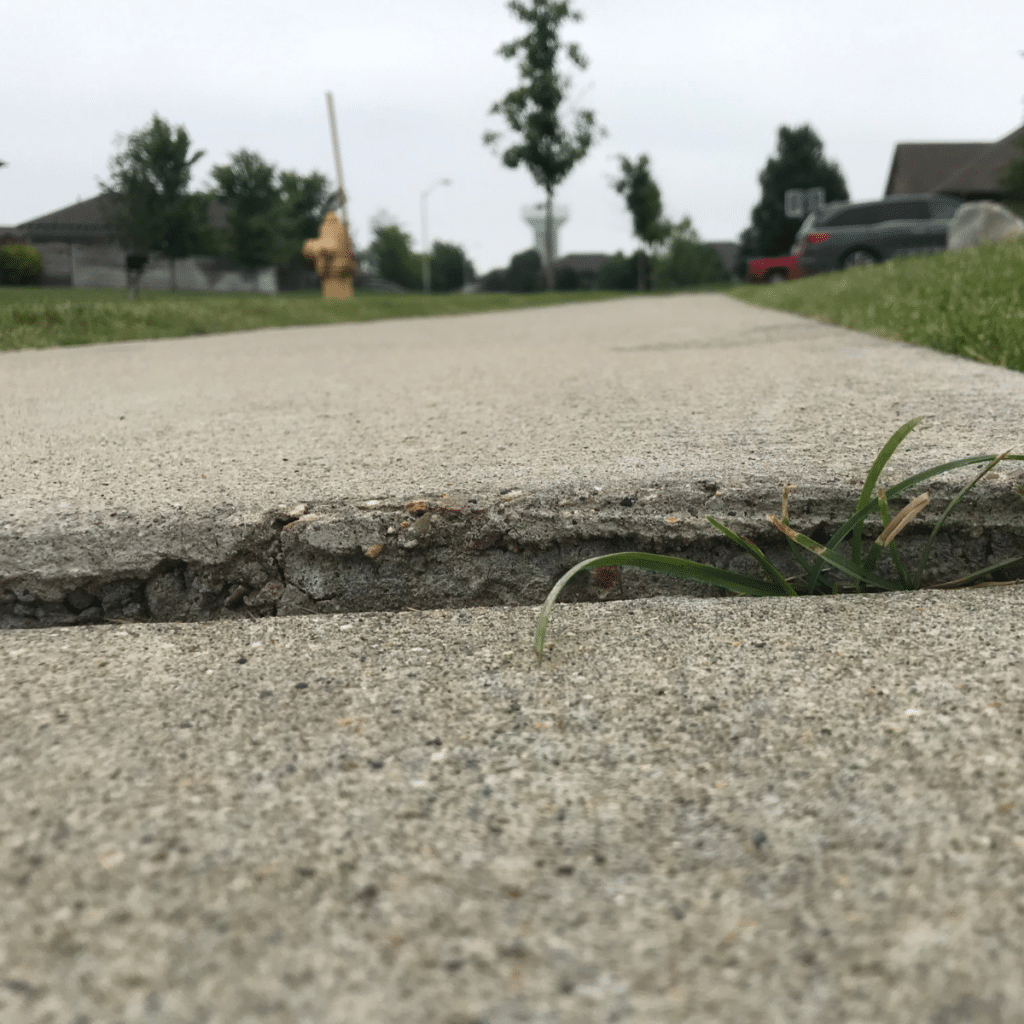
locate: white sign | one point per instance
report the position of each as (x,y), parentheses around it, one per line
(798,202)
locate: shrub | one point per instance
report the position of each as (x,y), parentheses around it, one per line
(567,280)
(494,281)
(619,273)
(524,272)
(20,265)
(686,263)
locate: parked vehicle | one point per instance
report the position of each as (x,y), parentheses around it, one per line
(843,234)
(773,269)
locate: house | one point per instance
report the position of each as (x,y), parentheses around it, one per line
(79,249)
(970,170)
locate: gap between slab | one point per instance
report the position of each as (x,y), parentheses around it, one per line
(440,551)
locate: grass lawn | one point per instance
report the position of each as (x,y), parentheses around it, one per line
(970,302)
(44,317)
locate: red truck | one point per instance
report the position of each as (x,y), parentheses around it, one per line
(773,269)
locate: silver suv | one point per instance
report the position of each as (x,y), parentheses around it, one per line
(845,234)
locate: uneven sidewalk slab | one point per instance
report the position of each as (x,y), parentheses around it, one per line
(796,810)
(458,461)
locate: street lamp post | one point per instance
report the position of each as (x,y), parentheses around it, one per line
(423,222)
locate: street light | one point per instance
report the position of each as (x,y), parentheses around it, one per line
(423,221)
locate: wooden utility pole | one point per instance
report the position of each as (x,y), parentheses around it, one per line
(342,198)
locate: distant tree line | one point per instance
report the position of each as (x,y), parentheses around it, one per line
(390,256)
(270,212)
(684,261)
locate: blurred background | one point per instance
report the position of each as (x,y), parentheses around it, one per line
(702,89)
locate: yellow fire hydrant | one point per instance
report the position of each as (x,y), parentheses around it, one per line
(331,254)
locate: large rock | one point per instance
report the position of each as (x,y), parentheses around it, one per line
(983,222)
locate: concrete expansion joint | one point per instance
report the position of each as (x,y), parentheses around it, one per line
(506,549)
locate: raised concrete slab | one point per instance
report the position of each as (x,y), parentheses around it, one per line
(251,473)
(796,810)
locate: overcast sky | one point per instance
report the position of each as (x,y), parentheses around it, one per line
(700,87)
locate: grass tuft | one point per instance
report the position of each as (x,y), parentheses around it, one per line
(828,570)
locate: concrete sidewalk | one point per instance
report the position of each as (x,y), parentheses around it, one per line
(757,810)
(252,472)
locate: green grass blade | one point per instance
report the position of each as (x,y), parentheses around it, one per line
(911,481)
(833,558)
(757,554)
(888,449)
(667,564)
(883,513)
(995,567)
(996,459)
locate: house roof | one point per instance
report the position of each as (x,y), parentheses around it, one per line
(966,169)
(583,262)
(921,166)
(981,175)
(91,220)
(86,221)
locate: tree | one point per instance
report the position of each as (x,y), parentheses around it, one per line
(449,267)
(390,254)
(306,199)
(547,147)
(620,272)
(799,163)
(257,217)
(1012,182)
(687,260)
(149,176)
(524,273)
(643,200)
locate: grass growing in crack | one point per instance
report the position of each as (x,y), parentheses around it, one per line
(820,564)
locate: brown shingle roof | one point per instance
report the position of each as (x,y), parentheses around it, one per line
(91,221)
(970,170)
(980,177)
(921,166)
(582,262)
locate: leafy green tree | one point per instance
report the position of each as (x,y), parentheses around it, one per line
(568,280)
(390,254)
(619,274)
(799,162)
(258,223)
(449,267)
(643,200)
(547,147)
(494,281)
(525,272)
(306,199)
(150,175)
(687,260)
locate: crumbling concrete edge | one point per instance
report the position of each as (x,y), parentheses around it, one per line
(383,554)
